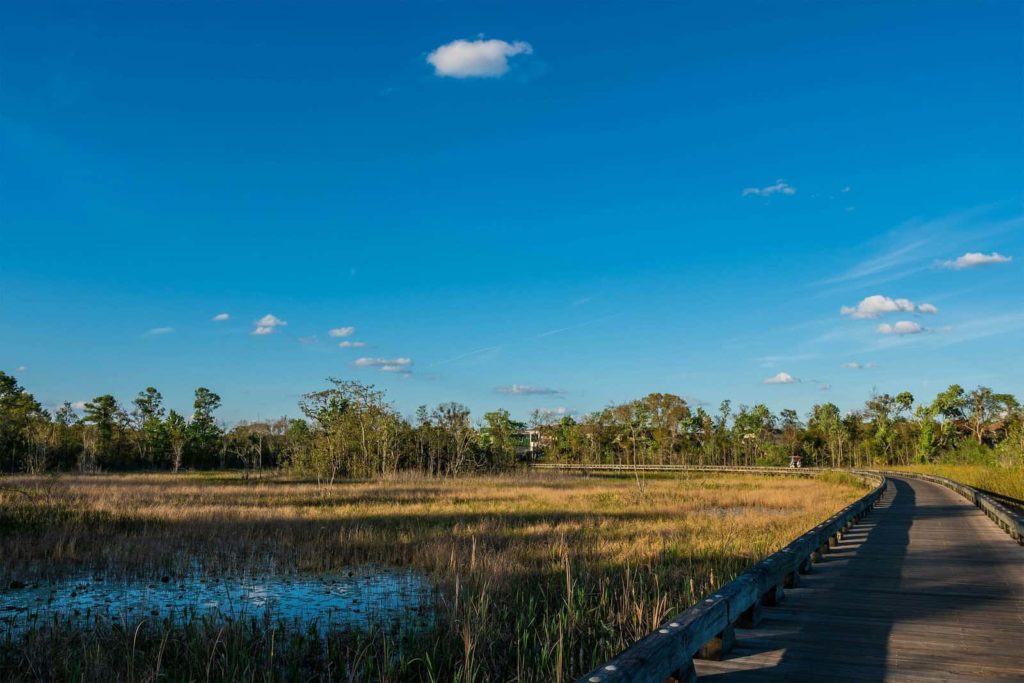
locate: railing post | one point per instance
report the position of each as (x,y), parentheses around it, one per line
(819,554)
(718,646)
(752,616)
(773,596)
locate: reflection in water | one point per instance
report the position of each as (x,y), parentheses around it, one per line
(369,596)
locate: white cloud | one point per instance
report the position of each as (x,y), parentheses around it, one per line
(901,327)
(476,58)
(781,378)
(342,331)
(973,259)
(78,405)
(877,305)
(382,363)
(859,366)
(220,317)
(825,387)
(267,324)
(270,320)
(352,344)
(548,415)
(21,368)
(846,189)
(527,390)
(157,331)
(780,186)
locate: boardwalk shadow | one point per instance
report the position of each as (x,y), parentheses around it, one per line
(839,626)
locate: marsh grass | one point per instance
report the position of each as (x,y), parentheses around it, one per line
(539,576)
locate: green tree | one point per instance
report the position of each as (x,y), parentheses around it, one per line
(669,417)
(984,407)
(176,429)
(204,434)
(105,417)
(19,413)
(148,425)
(499,438)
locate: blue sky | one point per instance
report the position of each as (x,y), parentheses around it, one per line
(612,200)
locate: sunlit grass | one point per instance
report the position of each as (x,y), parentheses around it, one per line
(539,576)
(1008,481)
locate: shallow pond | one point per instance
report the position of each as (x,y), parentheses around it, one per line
(362,597)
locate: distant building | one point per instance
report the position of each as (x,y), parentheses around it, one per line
(529,443)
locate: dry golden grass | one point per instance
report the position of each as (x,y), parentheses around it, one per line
(151,522)
(540,576)
(1009,481)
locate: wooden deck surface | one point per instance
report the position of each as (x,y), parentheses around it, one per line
(926,589)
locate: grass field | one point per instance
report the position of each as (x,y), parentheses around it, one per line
(539,577)
(1008,481)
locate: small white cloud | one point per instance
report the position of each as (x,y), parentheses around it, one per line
(825,387)
(527,390)
(21,368)
(382,363)
(342,332)
(859,366)
(78,405)
(780,187)
(877,305)
(781,378)
(846,189)
(157,331)
(973,259)
(476,58)
(270,320)
(901,327)
(349,344)
(220,317)
(267,324)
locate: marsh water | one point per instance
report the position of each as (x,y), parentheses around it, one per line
(363,597)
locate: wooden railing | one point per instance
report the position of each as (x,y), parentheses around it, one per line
(991,504)
(569,467)
(707,629)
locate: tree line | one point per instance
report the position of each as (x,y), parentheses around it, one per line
(350,430)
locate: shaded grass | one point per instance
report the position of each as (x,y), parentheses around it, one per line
(540,576)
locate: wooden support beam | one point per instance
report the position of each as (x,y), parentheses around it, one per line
(791,580)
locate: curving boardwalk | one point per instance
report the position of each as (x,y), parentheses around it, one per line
(925,589)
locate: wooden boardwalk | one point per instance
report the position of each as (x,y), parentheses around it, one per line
(925,589)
